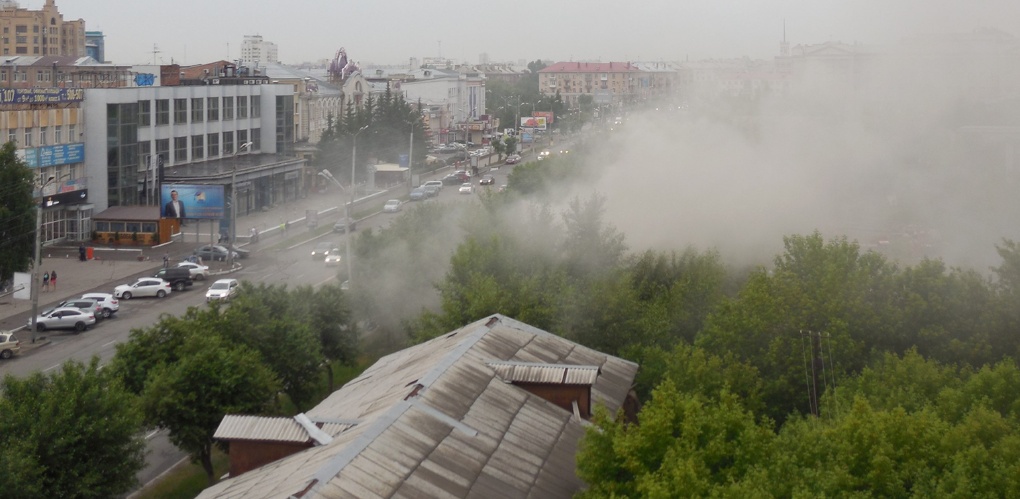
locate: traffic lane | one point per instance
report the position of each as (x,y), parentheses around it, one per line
(101,339)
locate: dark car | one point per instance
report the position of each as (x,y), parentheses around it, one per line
(179,278)
(215,252)
(342,225)
(431,191)
(322,249)
(487,180)
(452,179)
(417,194)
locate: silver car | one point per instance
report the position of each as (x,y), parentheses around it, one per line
(64,318)
(106,300)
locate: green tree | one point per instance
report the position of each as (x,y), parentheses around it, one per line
(328,315)
(264,318)
(73,433)
(499,147)
(17,213)
(213,377)
(510,145)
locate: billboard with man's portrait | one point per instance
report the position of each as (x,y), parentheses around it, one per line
(192,201)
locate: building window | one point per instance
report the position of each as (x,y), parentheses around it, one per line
(12,135)
(214,144)
(256,106)
(28,137)
(43,132)
(144,112)
(163,148)
(214,109)
(71,136)
(228,142)
(197,110)
(228,108)
(180,111)
(242,136)
(256,139)
(180,149)
(197,147)
(163,112)
(242,107)
(58,134)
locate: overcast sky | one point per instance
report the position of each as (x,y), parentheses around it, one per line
(391,32)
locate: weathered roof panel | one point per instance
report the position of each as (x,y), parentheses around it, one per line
(435,420)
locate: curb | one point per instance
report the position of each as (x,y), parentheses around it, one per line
(231,270)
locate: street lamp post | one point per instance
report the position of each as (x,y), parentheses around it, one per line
(350,206)
(37,261)
(233,199)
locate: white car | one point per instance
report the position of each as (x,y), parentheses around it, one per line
(106,300)
(466,188)
(391,206)
(198,272)
(333,258)
(64,318)
(223,289)
(146,286)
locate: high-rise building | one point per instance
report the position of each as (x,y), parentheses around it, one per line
(39,32)
(257,52)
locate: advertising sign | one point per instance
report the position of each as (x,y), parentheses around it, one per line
(548,115)
(192,201)
(533,122)
(66,198)
(41,95)
(63,154)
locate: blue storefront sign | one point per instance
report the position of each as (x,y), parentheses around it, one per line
(63,154)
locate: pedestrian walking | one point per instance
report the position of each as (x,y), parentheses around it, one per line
(53,280)
(81,252)
(46,281)
(166,259)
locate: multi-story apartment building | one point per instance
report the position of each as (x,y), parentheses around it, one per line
(455,101)
(256,52)
(39,32)
(607,82)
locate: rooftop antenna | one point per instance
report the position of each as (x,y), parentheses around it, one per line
(155,50)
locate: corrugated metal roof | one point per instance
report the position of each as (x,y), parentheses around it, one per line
(532,372)
(260,428)
(435,420)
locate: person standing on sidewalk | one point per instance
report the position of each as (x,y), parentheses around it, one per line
(53,280)
(81,252)
(46,281)
(166,259)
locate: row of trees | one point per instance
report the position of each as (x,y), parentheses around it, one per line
(385,127)
(17,213)
(78,432)
(833,366)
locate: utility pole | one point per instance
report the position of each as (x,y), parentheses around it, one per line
(37,260)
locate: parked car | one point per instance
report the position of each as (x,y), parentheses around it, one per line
(333,258)
(83,304)
(431,191)
(466,188)
(391,206)
(222,289)
(322,249)
(178,278)
(198,272)
(452,179)
(64,318)
(417,194)
(215,252)
(106,300)
(487,180)
(9,345)
(343,224)
(146,286)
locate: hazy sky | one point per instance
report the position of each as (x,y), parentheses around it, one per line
(390,32)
